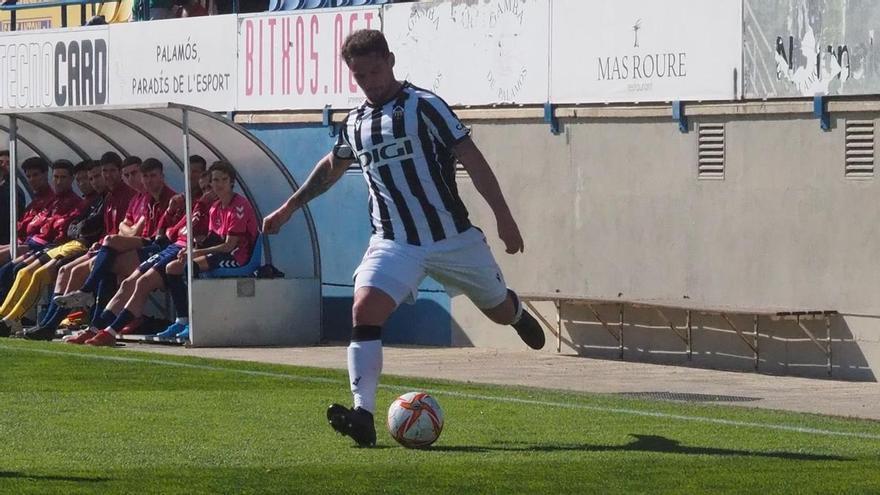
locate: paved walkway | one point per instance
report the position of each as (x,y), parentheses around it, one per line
(568,372)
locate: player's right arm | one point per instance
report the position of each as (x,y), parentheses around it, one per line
(326,173)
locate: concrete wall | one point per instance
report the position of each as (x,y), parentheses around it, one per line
(613,208)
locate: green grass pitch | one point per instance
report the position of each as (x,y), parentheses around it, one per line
(79,420)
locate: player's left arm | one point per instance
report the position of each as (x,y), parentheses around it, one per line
(484,180)
(227,246)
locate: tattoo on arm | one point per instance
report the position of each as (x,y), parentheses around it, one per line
(317,184)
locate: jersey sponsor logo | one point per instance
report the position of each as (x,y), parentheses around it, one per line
(397,150)
(239,211)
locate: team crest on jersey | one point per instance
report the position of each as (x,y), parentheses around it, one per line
(397,113)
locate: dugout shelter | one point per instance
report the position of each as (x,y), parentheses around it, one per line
(240,311)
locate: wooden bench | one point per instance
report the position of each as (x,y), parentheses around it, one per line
(660,307)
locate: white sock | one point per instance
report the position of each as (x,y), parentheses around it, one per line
(364,367)
(182,321)
(111,331)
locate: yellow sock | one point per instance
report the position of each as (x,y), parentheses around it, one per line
(31,294)
(22,279)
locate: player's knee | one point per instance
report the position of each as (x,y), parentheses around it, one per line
(128,284)
(371,310)
(142,284)
(174,268)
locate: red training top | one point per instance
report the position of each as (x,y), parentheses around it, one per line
(65,208)
(35,214)
(115,206)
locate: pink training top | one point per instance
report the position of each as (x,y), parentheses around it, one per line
(237,219)
(177,232)
(155,212)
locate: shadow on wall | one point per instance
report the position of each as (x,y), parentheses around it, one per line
(783,348)
(427,322)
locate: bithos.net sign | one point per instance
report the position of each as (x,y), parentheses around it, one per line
(54,70)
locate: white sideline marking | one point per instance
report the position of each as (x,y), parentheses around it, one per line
(513,400)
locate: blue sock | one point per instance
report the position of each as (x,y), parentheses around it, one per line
(124,318)
(103,265)
(177,289)
(104,320)
(50,310)
(59,315)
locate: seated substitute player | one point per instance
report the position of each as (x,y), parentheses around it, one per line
(119,254)
(229,244)
(64,208)
(83,230)
(81,178)
(36,171)
(127,304)
(406,140)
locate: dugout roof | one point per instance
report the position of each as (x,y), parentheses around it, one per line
(157,131)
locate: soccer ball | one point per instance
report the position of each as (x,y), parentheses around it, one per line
(415,420)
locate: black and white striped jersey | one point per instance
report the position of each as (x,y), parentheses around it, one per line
(404,149)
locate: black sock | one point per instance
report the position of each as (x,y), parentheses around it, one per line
(177,289)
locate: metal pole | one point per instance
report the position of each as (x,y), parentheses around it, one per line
(558,305)
(690,347)
(620,340)
(828,340)
(189,228)
(757,356)
(13,189)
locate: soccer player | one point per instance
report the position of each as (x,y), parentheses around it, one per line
(36,170)
(406,140)
(81,178)
(32,220)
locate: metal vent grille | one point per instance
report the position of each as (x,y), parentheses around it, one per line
(859,149)
(710,151)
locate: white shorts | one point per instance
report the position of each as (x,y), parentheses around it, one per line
(463,264)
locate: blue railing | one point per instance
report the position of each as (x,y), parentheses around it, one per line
(13,7)
(276,5)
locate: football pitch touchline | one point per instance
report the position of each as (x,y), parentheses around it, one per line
(464,395)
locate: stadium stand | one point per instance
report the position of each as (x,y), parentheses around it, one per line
(13,7)
(276,5)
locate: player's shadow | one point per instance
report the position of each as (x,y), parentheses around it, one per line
(14,474)
(642,443)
